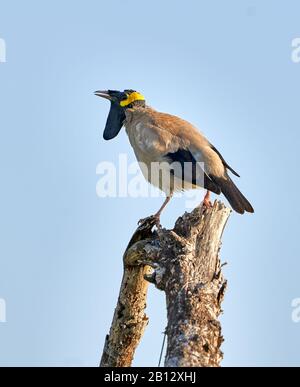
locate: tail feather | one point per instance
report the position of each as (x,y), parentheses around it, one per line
(236,199)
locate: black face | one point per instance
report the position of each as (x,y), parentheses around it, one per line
(120,101)
(116,115)
(117,96)
(120,95)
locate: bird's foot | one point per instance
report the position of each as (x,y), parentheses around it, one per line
(207,203)
(153,220)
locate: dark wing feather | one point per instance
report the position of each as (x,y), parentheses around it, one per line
(237,200)
(226,165)
(183,156)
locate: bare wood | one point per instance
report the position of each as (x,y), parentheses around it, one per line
(130,320)
(187,267)
(190,274)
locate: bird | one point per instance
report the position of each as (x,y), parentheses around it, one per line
(173,154)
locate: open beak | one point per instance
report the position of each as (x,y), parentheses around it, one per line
(103,94)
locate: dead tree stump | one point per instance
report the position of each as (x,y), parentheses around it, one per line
(186,266)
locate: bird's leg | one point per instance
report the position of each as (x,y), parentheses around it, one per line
(206,200)
(166,202)
(156,217)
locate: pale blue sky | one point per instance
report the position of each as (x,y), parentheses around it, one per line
(226,67)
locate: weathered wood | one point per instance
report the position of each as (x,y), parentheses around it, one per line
(130,320)
(185,265)
(189,272)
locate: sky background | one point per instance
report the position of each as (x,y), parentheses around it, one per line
(226,67)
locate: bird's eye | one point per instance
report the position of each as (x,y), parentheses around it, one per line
(124,97)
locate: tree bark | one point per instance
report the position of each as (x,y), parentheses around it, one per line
(130,320)
(189,272)
(186,266)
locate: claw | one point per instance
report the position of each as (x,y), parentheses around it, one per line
(152,220)
(155,219)
(206,201)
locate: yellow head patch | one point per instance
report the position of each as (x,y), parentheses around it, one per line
(135,96)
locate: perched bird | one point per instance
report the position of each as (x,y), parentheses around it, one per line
(172,153)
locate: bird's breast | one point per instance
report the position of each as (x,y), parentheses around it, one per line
(150,150)
(145,145)
(143,142)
